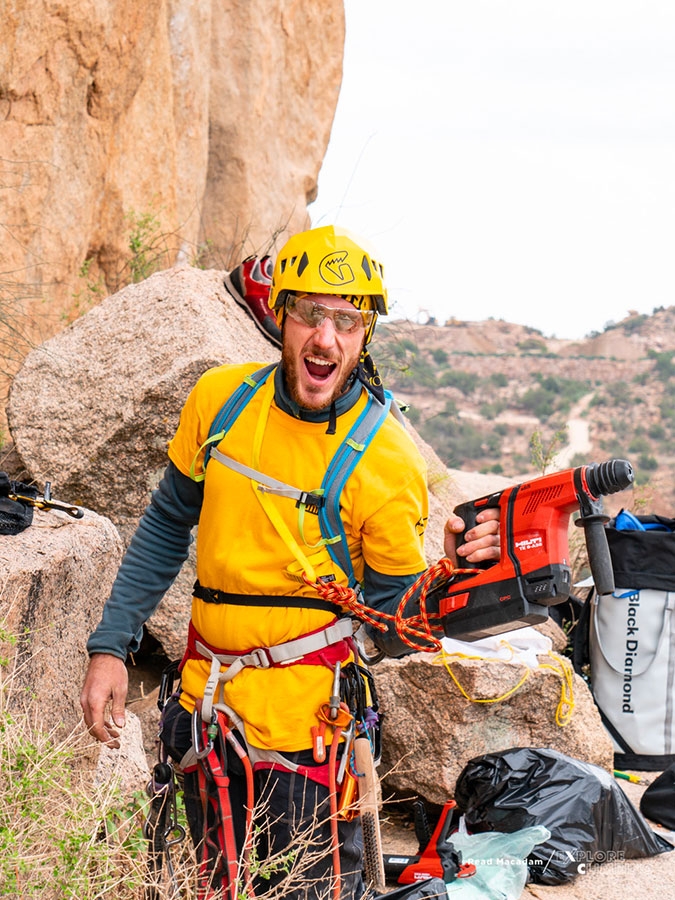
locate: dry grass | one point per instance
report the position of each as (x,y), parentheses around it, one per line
(62,837)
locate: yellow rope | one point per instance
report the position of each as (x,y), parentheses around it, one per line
(444,658)
(563,668)
(560,667)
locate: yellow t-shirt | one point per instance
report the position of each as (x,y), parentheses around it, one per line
(239,550)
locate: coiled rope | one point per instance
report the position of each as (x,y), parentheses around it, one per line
(416,632)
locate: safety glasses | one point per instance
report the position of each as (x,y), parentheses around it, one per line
(345,321)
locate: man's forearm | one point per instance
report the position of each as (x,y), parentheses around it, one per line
(155,555)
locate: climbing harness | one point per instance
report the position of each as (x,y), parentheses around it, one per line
(325,646)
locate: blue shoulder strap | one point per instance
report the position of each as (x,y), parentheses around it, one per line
(339,469)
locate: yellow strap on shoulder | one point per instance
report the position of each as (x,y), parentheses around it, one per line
(264,499)
(199,476)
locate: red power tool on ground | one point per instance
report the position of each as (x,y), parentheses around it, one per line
(534,572)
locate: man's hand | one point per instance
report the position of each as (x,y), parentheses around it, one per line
(481,542)
(105,685)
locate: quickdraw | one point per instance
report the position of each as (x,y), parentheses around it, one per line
(162,830)
(46,501)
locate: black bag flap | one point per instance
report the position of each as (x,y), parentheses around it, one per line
(643,559)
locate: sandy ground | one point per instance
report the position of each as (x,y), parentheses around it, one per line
(645,879)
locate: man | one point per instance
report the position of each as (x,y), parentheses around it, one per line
(265,565)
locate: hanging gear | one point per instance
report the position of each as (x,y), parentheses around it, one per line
(161,829)
(220,842)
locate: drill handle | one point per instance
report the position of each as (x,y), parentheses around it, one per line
(602,479)
(468,511)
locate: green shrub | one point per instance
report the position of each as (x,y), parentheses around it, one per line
(531,344)
(647,462)
(499,379)
(463,381)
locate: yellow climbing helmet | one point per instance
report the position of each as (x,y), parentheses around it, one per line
(329,260)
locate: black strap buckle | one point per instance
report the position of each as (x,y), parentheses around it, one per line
(312,502)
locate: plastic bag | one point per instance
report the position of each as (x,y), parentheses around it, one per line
(589,817)
(658,801)
(500,860)
(522,646)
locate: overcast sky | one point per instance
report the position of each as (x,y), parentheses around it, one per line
(510,158)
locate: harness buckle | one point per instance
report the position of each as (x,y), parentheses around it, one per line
(259,658)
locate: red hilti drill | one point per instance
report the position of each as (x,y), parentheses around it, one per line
(533,571)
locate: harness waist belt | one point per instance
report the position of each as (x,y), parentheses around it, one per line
(213,595)
(283,654)
(309,649)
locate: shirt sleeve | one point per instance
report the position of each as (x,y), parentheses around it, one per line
(154,558)
(384,594)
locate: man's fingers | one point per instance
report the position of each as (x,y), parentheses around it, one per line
(105,733)
(105,686)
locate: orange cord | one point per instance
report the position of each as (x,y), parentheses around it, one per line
(411,629)
(335,837)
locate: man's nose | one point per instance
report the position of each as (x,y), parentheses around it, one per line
(325,332)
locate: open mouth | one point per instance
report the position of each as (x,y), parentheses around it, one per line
(319,369)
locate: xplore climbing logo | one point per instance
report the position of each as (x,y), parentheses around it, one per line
(581,860)
(335,270)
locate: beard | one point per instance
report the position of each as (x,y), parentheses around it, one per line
(291,364)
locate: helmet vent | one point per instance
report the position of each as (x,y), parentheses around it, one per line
(366,268)
(302,265)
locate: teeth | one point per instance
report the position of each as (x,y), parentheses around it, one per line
(319,362)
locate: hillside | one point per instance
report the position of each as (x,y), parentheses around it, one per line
(481,392)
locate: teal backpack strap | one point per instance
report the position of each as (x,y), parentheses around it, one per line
(233,406)
(339,469)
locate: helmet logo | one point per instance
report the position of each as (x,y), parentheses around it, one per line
(335,270)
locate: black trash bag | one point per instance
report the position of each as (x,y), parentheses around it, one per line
(590,818)
(658,801)
(14,515)
(429,887)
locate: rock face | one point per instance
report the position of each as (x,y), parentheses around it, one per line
(123,372)
(110,387)
(213,117)
(55,577)
(432,730)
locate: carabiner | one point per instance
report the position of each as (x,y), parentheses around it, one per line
(211,732)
